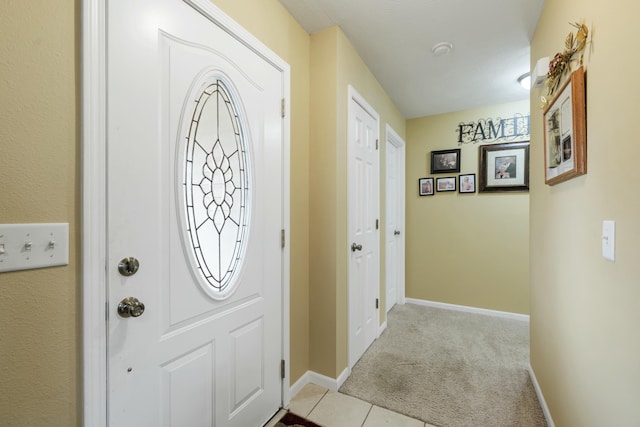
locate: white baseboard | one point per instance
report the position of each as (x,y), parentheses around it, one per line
(543,403)
(487,312)
(382,328)
(332,384)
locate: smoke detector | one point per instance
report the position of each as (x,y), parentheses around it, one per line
(441,49)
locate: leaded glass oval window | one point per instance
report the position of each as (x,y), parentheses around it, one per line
(216,188)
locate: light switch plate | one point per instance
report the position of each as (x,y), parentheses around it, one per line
(609,240)
(27,246)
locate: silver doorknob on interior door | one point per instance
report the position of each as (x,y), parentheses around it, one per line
(396,233)
(355,247)
(130,307)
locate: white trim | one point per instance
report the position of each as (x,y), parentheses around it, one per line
(487,312)
(354,96)
(286,225)
(299,385)
(94,325)
(397,141)
(382,328)
(94,181)
(543,403)
(329,383)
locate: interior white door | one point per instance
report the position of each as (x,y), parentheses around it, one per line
(364,242)
(392,229)
(394,241)
(195,194)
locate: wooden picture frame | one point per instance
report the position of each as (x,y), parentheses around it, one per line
(467,183)
(565,132)
(425,186)
(446,184)
(504,167)
(445,161)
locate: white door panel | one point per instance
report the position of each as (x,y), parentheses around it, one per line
(363,227)
(392,226)
(195,192)
(395,175)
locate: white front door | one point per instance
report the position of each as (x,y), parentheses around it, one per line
(195,180)
(394,255)
(363,223)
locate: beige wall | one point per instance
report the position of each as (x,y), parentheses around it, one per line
(39,175)
(465,249)
(335,65)
(585,349)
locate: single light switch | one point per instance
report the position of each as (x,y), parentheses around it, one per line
(609,240)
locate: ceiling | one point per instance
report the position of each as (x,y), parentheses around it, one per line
(395,38)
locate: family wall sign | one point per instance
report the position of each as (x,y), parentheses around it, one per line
(489,130)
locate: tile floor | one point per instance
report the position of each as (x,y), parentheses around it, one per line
(331,409)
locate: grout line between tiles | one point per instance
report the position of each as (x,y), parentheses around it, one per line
(368,413)
(318,402)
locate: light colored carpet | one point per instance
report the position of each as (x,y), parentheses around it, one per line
(450,369)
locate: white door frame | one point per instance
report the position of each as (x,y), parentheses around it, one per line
(355,97)
(94,212)
(396,140)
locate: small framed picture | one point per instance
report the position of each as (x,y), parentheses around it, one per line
(446,184)
(445,161)
(425,186)
(467,183)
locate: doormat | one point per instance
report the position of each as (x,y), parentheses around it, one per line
(293,420)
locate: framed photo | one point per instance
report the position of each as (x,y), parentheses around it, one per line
(565,132)
(504,167)
(445,161)
(425,186)
(467,183)
(446,184)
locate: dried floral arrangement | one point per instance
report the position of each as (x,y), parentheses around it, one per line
(561,62)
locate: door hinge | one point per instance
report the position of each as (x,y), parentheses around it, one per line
(282,373)
(376,144)
(282,106)
(377,302)
(282,238)
(377,223)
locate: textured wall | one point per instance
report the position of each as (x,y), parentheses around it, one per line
(584,309)
(335,65)
(465,249)
(39,176)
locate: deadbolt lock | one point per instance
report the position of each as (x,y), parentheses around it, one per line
(128,266)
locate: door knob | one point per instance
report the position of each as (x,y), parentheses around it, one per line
(355,247)
(128,266)
(396,233)
(130,307)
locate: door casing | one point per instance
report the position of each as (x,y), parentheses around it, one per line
(94,212)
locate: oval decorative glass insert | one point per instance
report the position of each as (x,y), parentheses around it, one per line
(216,189)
